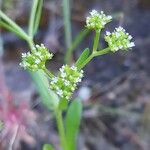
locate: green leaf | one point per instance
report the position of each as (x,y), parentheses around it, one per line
(38,16)
(32,17)
(83,57)
(72,123)
(11,25)
(47,147)
(50,99)
(10,28)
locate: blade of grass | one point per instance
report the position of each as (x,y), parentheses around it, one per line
(38,16)
(67,23)
(79,38)
(32,18)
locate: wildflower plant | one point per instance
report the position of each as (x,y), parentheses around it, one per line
(65,81)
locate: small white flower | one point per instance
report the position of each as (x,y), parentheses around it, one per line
(54,79)
(74,68)
(108,33)
(37,61)
(131,44)
(66,82)
(130,37)
(24,55)
(93,12)
(63,74)
(60,92)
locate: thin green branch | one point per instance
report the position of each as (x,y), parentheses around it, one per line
(38,16)
(96,40)
(61,129)
(8,27)
(94,54)
(48,73)
(67,23)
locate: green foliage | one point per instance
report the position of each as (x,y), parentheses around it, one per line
(50,99)
(47,147)
(65,82)
(85,54)
(35,17)
(72,122)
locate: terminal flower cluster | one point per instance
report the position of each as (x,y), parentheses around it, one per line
(97,21)
(66,81)
(119,39)
(36,59)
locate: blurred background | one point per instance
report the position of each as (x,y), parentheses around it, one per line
(115,90)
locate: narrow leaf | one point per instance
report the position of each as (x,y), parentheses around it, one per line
(10,28)
(38,16)
(50,99)
(72,122)
(32,17)
(83,57)
(13,25)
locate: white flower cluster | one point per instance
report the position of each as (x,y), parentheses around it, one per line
(66,81)
(97,21)
(36,59)
(119,39)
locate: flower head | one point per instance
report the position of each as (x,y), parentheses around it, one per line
(36,59)
(97,21)
(119,39)
(66,81)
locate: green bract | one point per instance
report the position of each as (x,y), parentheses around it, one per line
(97,21)
(36,59)
(119,39)
(66,81)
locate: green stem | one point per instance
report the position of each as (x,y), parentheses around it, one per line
(96,40)
(102,52)
(30,43)
(67,23)
(61,129)
(13,25)
(86,61)
(94,54)
(49,74)
(32,18)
